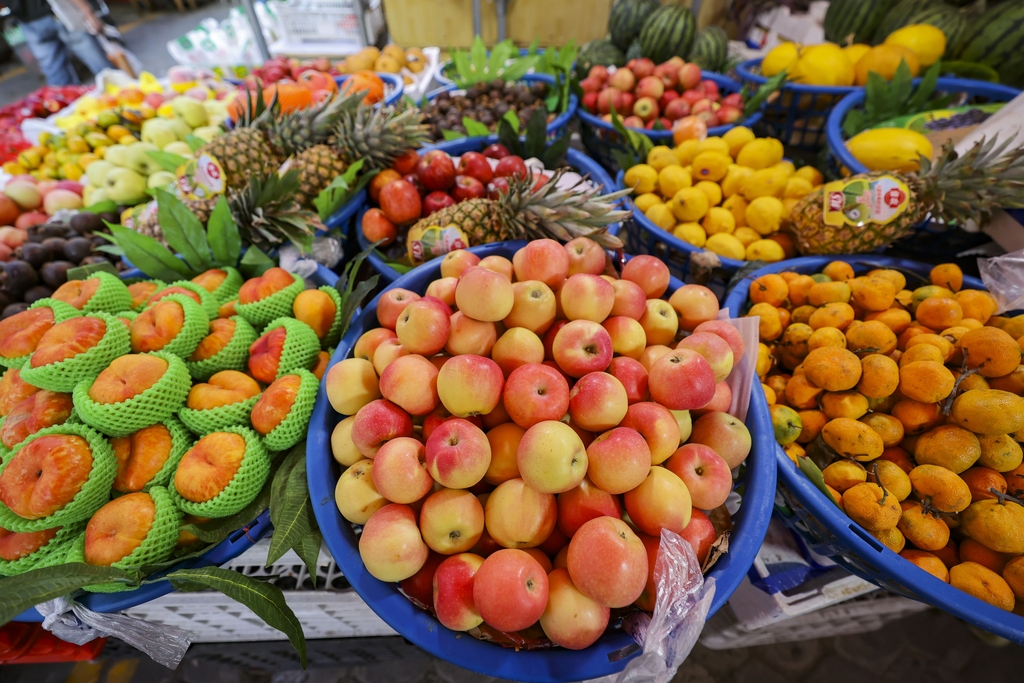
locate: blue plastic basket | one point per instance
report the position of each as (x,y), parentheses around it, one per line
(828,531)
(976,91)
(556,127)
(394,86)
(583,165)
(600,137)
(225,551)
(544,666)
(797,116)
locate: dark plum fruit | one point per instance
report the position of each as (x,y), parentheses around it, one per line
(13,309)
(55,245)
(19,276)
(77,248)
(85,222)
(53,229)
(55,273)
(34,254)
(36,293)
(94,258)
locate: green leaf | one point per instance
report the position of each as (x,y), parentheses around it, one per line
(222,233)
(103,207)
(110,249)
(254,262)
(182,230)
(83,272)
(638,145)
(567,55)
(478,59)
(148,255)
(216,530)
(290,510)
(19,593)
(195,142)
(812,472)
(536,133)
(352,294)
(501,53)
(853,123)
(266,600)
(169,161)
(475,128)
(552,101)
(874,95)
(342,189)
(400,268)
(451,134)
(519,68)
(765,91)
(554,155)
(308,551)
(534,47)
(512,119)
(924,90)
(509,136)
(464,71)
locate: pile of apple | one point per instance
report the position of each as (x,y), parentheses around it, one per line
(26,201)
(647,96)
(415,186)
(499,428)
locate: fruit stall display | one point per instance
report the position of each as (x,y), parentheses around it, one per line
(898,400)
(525,507)
(157,415)
(39,104)
(906,123)
(731,195)
(422,214)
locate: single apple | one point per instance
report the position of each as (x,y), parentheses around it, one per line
(356,495)
(518,516)
(511,166)
(545,260)
(470,385)
(715,350)
(628,336)
(377,423)
(585,256)
(476,165)
(435,201)
(498,264)
(451,521)
(578,506)
(457,454)
(608,562)
(390,545)
(533,306)
(484,295)
(516,348)
(724,434)
(535,393)
(496,151)
(695,304)
(586,297)
(619,460)
(423,327)
(468,187)
(436,170)
(468,336)
(660,323)
(504,440)
(351,384)
(682,380)
(456,262)
(453,582)
(657,425)
(582,346)
(399,473)
(571,619)
(510,590)
(633,376)
(551,457)
(630,300)
(705,473)
(598,402)
(662,501)
(391,304)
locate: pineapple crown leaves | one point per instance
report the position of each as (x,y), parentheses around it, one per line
(269,215)
(295,131)
(382,134)
(961,187)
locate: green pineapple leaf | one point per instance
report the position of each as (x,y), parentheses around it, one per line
(222,234)
(169,161)
(195,142)
(341,189)
(182,230)
(148,255)
(475,128)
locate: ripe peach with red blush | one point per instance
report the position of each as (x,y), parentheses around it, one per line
(45,475)
(209,466)
(221,332)
(222,389)
(13,390)
(155,327)
(141,291)
(77,292)
(317,309)
(210,279)
(118,528)
(20,333)
(273,406)
(260,287)
(38,411)
(140,457)
(14,546)
(265,354)
(125,377)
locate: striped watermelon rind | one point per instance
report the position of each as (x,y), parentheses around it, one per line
(626,19)
(600,51)
(668,32)
(857,18)
(950,20)
(710,49)
(995,40)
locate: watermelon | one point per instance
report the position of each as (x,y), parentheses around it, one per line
(857,18)
(995,39)
(710,49)
(600,51)
(950,20)
(668,32)
(634,51)
(627,18)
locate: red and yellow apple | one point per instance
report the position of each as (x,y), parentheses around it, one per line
(552,457)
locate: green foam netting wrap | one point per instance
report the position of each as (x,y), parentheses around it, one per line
(195,327)
(203,422)
(301,346)
(52,553)
(333,335)
(111,297)
(129,315)
(232,357)
(292,429)
(243,487)
(65,375)
(277,305)
(61,311)
(160,286)
(90,498)
(206,300)
(228,289)
(149,407)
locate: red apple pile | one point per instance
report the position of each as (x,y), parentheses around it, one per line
(415,186)
(499,428)
(646,95)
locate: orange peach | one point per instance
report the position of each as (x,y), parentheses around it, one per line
(227,309)
(265,354)
(209,466)
(13,390)
(222,389)
(274,405)
(259,288)
(77,292)
(317,309)
(45,475)
(14,546)
(118,528)
(141,291)
(211,279)
(40,410)
(125,377)
(176,289)
(221,332)
(155,327)
(20,333)
(67,340)
(140,456)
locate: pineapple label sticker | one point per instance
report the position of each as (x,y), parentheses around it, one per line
(861,201)
(201,178)
(428,243)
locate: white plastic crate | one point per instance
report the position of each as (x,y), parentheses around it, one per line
(333,611)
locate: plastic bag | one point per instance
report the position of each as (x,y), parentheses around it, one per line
(668,636)
(72,623)
(1004,277)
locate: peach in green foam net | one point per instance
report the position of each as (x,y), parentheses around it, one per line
(203,422)
(277,305)
(111,296)
(244,486)
(61,312)
(196,325)
(51,553)
(232,357)
(66,374)
(206,300)
(292,429)
(301,345)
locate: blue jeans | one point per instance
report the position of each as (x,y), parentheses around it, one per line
(49,42)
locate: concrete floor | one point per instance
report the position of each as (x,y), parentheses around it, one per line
(146,36)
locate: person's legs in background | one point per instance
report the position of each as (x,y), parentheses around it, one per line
(44,40)
(86,47)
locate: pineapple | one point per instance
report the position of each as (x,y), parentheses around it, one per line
(317,166)
(522,213)
(953,190)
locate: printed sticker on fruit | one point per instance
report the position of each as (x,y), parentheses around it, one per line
(858,202)
(201,178)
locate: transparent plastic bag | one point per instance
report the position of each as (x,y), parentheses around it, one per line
(73,623)
(1004,277)
(669,634)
